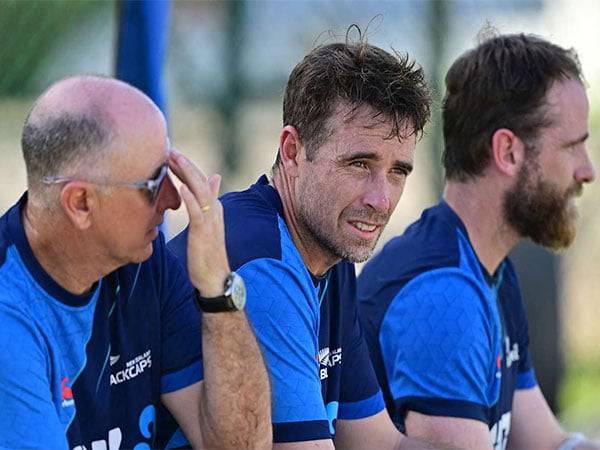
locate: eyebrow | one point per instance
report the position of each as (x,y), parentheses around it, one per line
(408,167)
(577,141)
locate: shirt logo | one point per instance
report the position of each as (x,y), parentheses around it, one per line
(133,368)
(114,359)
(512,354)
(66,393)
(328,359)
(499,365)
(499,432)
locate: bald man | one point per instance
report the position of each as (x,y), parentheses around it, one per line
(99,326)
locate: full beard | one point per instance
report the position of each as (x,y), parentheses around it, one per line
(536,209)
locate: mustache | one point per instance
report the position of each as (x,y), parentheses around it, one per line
(575,191)
(368,215)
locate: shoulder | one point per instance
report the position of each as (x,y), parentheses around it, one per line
(451,297)
(8,222)
(428,245)
(252,226)
(16,284)
(20,334)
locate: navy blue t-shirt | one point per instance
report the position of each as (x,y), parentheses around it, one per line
(77,370)
(446,338)
(307,327)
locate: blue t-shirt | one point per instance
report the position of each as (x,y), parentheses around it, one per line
(307,327)
(88,371)
(446,338)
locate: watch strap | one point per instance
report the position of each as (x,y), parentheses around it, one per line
(221,303)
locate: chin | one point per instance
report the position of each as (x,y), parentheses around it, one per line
(141,256)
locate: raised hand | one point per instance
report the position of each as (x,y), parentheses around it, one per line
(207,257)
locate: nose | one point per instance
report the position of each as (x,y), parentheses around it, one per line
(168,197)
(378,194)
(585,173)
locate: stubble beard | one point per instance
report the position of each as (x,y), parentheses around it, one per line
(337,245)
(536,209)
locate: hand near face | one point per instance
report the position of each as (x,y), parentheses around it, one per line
(207,257)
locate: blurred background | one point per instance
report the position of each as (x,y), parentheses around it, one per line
(224,67)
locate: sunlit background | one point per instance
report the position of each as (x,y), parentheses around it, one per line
(224,74)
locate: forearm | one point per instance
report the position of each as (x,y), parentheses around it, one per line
(407,443)
(236,400)
(378,432)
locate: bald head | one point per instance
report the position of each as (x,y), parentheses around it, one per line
(74,123)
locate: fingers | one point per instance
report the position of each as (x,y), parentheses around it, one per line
(183,168)
(191,177)
(215,183)
(193,207)
(199,193)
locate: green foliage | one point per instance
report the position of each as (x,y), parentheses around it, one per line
(579,397)
(28,29)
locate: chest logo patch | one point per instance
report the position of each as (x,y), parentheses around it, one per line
(133,368)
(66,393)
(512,353)
(328,359)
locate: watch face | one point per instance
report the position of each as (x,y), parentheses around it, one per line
(237,291)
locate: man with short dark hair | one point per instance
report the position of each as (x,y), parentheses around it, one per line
(351,116)
(98,323)
(440,305)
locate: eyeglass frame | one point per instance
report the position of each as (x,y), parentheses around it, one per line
(152,185)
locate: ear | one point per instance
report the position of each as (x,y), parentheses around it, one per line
(77,199)
(290,149)
(508,151)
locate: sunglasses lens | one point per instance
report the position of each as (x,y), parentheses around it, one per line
(159,181)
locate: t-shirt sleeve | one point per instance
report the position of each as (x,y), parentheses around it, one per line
(181,339)
(283,309)
(438,346)
(360,395)
(29,417)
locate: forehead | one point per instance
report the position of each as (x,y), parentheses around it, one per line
(364,129)
(568,107)
(142,144)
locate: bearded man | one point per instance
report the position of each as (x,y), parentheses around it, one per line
(440,305)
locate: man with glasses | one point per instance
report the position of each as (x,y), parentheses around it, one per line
(98,321)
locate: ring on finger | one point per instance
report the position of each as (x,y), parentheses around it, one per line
(205,208)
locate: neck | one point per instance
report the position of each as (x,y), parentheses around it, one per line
(479,206)
(315,257)
(62,250)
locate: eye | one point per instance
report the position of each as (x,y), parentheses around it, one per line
(399,172)
(359,163)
